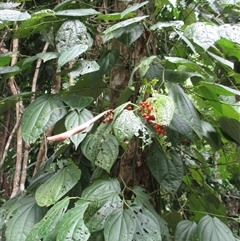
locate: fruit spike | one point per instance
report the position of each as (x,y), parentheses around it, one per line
(147,114)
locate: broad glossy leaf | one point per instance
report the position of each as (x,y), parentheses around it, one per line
(101,149)
(142,198)
(167,171)
(222,60)
(71,53)
(129,34)
(72,226)
(203,34)
(5,59)
(73,36)
(230,32)
(126,126)
(205,203)
(231,127)
(176,24)
(25,214)
(58,185)
(163,108)
(143,67)
(213,229)
(211,135)
(157,71)
(147,226)
(75,119)
(9,5)
(181,126)
(230,48)
(133,8)
(84,67)
(186,231)
(109,33)
(108,153)
(98,219)
(77,12)
(186,62)
(8,69)
(13,15)
(113,16)
(43,113)
(48,56)
(106,62)
(77,102)
(219,89)
(102,190)
(184,108)
(120,226)
(45,228)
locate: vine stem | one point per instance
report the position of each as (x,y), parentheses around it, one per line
(63,136)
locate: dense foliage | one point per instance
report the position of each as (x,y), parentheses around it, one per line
(120,120)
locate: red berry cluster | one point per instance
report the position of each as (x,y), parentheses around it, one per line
(147,114)
(108,117)
(128,107)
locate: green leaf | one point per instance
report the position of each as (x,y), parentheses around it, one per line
(219,89)
(8,69)
(187,63)
(222,60)
(229,48)
(126,126)
(58,185)
(113,16)
(186,231)
(13,15)
(72,36)
(147,226)
(97,221)
(106,62)
(43,113)
(211,136)
(120,226)
(129,34)
(72,226)
(184,108)
(181,126)
(25,214)
(48,56)
(45,228)
(203,34)
(142,198)
(77,12)
(77,102)
(5,59)
(83,67)
(75,119)
(231,127)
(71,53)
(133,8)
(160,25)
(101,190)
(101,150)
(163,108)
(213,229)
(230,32)
(109,33)
(168,172)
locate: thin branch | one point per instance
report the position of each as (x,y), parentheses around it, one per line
(63,136)
(36,73)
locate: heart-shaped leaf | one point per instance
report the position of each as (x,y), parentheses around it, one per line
(75,119)
(58,185)
(43,113)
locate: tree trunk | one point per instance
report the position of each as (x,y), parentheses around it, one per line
(131,169)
